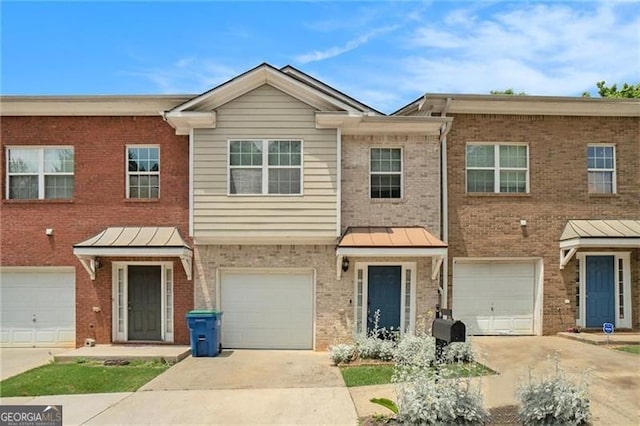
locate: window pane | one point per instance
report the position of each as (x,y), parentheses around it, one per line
(245,181)
(513,181)
(480,181)
(600,157)
(385,186)
(24,161)
(284,153)
(284,181)
(23,187)
(58,186)
(513,156)
(58,160)
(480,156)
(601,182)
(386,160)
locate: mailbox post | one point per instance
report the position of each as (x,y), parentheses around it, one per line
(447,331)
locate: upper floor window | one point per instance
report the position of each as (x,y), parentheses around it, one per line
(40,173)
(601,168)
(386,172)
(143,171)
(265,167)
(497,168)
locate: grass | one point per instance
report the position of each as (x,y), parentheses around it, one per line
(634,349)
(365,375)
(81,377)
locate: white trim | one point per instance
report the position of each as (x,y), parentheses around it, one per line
(391,251)
(147,173)
(185,121)
(566,255)
(30,269)
(265,167)
(390,173)
(40,173)
(600,242)
(291,239)
(364,266)
(628,305)
(338,182)
(124,265)
(614,186)
(497,168)
(191,181)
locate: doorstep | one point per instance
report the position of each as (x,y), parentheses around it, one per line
(622,338)
(169,353)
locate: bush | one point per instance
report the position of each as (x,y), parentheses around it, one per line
(458,352)
(553,400)
(429,401)
(416,351)
(341,353)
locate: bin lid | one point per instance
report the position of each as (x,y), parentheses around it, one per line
(203,313)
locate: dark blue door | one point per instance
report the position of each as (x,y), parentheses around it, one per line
(600,290)
(384,290)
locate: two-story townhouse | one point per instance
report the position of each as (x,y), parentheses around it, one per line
(94,223)
(309,210)
(543,211)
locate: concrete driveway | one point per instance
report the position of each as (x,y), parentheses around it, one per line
(14,361)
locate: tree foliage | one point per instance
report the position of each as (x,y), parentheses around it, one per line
(626,91)
(507,92)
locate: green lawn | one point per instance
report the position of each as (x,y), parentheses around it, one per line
(81,377)
(634,349)
(381,374)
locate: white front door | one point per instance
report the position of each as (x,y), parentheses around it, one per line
(494,297)
(267,309)
(37,307)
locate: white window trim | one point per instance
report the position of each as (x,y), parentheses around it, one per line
(626,276)
(40,173)
(614,186)
(364,266)
(128,174)
(496,167)
(166,268)
(265,167)
(401,173)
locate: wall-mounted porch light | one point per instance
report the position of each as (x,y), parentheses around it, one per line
(345,264)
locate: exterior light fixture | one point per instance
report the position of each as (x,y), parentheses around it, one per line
(345,264)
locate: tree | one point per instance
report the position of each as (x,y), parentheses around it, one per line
(507,92)
(627,91)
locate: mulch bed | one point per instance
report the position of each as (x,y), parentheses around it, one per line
(500,416)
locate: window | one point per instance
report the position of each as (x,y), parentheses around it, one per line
(265,167)
(386,173)
(40,173)
(497,168)
(601,166)
(143,172)
(577,289)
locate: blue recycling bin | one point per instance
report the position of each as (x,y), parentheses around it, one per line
(204,332)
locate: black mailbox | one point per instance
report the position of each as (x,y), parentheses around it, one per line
(448,330)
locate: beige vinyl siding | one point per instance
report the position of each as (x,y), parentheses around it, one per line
(265,113)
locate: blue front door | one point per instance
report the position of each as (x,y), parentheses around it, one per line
(600,293)
(384,290)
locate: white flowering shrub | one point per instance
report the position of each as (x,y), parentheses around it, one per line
(418,351)
(553,400)
(458,352)
(433,401)
(341,353)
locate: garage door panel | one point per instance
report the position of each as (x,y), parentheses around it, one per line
(267,310)
(46,297)
(494,297)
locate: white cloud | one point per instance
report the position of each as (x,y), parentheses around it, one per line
(319,55)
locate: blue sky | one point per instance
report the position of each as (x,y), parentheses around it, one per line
(385,54)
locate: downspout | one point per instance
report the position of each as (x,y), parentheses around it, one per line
(444,200)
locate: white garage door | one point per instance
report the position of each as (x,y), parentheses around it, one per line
(494,298)
(269,311)
(38,309)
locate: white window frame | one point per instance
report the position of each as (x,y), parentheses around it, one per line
(147,173)
(265,167)
(363,267)
(496,167)
(401,172)
(40,173)
(626,287)
(167,312)
(614,188)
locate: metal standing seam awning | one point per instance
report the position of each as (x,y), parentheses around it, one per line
(412,241)
(134,242)
(597,233)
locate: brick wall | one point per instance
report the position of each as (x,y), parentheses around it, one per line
(488,225)
(99,202)
(420,204)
